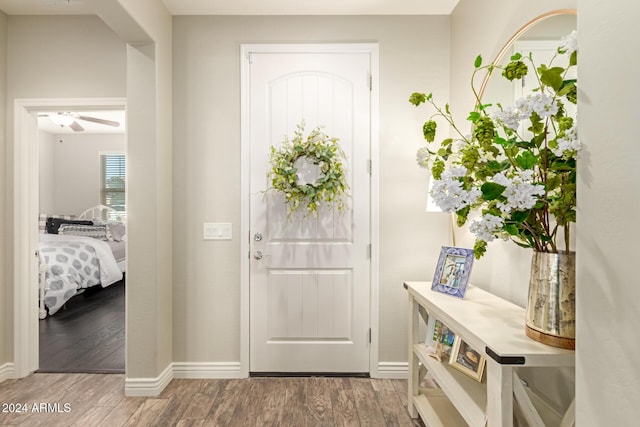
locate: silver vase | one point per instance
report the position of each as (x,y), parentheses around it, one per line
(551,306)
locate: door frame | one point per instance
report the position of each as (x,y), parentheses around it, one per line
(245,56)
(25,219)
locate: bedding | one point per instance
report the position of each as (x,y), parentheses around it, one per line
(100,232)
(53,224)
(118,250)
(74,263)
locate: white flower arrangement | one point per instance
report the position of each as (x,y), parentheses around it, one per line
(522,183)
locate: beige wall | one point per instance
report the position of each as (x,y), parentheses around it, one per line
(607,370)
(5,303)
(90,64)
(414,54)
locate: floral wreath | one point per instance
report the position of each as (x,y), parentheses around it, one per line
(320,150)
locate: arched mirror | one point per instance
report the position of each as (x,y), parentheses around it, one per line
(541,34)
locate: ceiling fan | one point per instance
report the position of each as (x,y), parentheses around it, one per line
(63,119)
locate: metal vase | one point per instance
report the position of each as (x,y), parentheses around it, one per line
(551,307)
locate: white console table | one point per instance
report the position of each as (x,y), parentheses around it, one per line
(496,329)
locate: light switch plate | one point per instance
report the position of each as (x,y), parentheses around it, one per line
(216,231)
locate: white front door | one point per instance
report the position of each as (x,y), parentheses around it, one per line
(309,277)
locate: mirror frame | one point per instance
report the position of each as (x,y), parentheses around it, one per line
(516,36)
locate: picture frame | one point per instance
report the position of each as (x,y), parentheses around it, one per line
(452,271)
(467,360)
(443,338)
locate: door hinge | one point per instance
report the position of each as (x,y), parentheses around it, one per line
(369,335)
(369,166)
(370,82)
(369,251)
(251,57)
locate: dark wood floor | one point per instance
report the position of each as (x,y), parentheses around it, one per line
(87,335)
(98,400)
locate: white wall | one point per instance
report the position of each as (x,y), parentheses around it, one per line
(146,26)
(77,169)
(414,53)
(46,169)
(5,321)
(69,167)
(92,65)
(607,369)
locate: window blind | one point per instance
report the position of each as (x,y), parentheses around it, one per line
(114,178)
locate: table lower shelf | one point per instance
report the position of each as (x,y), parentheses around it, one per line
(467,394)
(436,410)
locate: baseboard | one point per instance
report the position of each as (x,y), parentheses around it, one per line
(6,372)
(392,370)
(207,370)
(148,386)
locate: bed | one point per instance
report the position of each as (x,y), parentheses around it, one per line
(77,253)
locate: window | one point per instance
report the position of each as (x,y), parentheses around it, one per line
(113,172)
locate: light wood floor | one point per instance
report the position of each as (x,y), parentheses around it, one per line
(98,400)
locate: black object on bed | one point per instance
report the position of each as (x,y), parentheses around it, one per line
(53,224)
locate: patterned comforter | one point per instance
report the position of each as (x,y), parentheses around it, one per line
(74,263)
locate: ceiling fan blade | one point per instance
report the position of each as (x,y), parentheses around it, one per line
(97,120)
(76,127)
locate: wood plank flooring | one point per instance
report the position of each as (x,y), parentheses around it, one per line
(98,400)
(86,336)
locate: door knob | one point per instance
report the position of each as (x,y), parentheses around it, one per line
(257,237)
(258,255)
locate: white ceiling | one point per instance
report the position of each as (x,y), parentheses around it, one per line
(248,7)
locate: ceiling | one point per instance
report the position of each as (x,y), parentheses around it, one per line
(248,7)
(45,124)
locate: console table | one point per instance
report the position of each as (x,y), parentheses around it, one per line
(495,329)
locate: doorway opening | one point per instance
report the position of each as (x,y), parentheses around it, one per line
(69,297)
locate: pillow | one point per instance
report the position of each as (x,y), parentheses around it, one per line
(54,223)
(100,232)
(42,221)
(117,230)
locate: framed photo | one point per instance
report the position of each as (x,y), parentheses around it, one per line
(443,338)
(453,270)
(467,360)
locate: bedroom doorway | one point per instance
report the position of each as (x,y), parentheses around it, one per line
(27,209)
(311,281)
